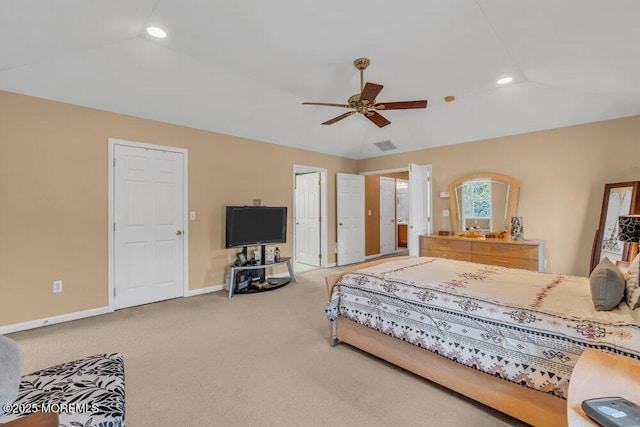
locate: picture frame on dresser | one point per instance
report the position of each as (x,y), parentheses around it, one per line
(619,198)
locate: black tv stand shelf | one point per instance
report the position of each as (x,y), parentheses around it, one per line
(250,289)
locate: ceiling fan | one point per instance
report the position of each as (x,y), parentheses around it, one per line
(365,101)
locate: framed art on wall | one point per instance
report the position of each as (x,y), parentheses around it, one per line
(619,199)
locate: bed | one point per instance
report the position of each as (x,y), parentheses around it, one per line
(507,338)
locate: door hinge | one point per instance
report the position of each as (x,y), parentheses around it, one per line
(320,256)
(114,292)
(114,162)
(319,219)
(114,226)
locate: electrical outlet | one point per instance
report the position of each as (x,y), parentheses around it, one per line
(57,286)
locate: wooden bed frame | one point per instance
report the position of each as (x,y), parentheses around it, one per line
(526,404)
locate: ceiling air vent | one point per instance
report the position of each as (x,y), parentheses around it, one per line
(386,145)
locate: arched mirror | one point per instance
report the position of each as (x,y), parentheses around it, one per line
(483,201)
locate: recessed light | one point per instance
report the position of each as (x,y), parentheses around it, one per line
(505,80)
(156,32)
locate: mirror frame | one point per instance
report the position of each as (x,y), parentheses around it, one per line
(605,214)
(513,202)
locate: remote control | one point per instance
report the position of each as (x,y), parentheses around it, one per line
(612,412)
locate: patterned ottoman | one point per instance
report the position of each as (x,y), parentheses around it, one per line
(85,393)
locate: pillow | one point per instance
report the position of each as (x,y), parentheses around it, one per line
(633,288)
(9,371)
(607,285)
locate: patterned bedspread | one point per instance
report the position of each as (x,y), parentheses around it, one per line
(518,325)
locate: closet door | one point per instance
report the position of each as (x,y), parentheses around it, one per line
(350,218)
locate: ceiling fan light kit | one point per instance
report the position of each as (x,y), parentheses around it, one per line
(156,32)
(365,101)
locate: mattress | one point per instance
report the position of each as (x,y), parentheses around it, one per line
(519,325)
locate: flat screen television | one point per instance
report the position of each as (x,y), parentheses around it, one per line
(255,225)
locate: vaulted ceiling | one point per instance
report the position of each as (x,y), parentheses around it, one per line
(245,67)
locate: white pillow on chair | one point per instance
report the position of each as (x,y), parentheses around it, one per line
(632,293)
(9,371)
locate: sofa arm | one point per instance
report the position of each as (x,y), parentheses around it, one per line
(87,392)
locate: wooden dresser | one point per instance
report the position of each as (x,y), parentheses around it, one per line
(527,254)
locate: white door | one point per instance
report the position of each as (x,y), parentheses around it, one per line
(387,215)
(419,205)
(350,218)
(307,219)
(149,225)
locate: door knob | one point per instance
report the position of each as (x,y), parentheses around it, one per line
(340,224)
(178,232)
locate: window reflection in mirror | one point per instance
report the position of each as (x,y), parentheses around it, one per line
(476,201)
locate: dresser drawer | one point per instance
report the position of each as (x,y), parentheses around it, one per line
(527,255)
(445,245)
(511,250)
(460,256)
(504,261)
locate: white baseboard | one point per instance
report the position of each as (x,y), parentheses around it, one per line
(52,320)
(372,256)
(333,264)
(284,274)
(206,290)
(32,324)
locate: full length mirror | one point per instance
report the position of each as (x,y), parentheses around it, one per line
(485,202)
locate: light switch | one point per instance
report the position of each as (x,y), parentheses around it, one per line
(192,215)
(369,212)
(444,195)
(445,212)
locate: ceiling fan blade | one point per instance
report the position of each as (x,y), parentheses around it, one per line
(326,104)
(377,118)
(403,105)
(370,91)
(340,117)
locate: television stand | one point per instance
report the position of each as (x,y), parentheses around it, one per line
(250,289)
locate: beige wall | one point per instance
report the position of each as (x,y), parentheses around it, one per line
(562,174)
(54,202)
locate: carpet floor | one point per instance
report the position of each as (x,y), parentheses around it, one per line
(258,359)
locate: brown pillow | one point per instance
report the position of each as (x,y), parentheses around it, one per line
(607,285)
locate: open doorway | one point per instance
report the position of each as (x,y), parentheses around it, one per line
(397,210)
(309,218)
(402,214)
(381,219)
